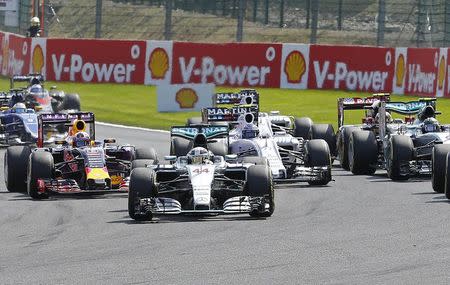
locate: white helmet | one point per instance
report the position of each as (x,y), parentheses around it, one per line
(250,131)
(35,21)
(81,139)
(198,155)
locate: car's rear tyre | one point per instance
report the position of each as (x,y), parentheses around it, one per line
(137,163)
(400,152)
(179,147)
(40,166)
(318,155)
(325,132)
(342,146)
(146,153)
(362,152)
(256,160)
(15,168)
(260,184)
(71,102)
(194,121)
(303,127)
(142,185)
(438,164)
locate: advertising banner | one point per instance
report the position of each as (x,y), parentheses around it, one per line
(158,62)
(184,97)
(295,66)
(354,68)
(421,71)
(15,55)
(231,64)
(442,83)
(111,61)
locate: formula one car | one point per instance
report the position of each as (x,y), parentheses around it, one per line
(75,165)
(201,183)
(38,98)
(18,125)
(403,148)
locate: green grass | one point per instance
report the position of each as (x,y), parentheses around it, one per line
(136,104)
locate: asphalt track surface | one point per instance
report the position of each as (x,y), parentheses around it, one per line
(359,229)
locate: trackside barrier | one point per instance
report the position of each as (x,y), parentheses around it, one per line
(409,71)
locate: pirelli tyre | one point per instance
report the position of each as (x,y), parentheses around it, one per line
(318,155)
(400,153)
(447,177)
(179,147)
(71,102)
(15,168)
(302,127)
(255,160)
(142,185)
(146,153)
(260,184)
(194,121)
(141,163)
(325,132)
(438,164)
(40,166)
(342,145)
(362,152)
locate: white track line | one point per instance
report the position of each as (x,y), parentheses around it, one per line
(132,128)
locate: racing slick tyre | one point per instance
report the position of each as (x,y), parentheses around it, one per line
(400,152)
(15,168)
(71,102)
(40,165)
(142,185)
(256,160)
(342,146)
(179,147)
(302,127)
(362,152)
(146,153)
(260,184)
(325,132)
(447,177)
(137,163)
(219,148)
(318,155)
(438,171)
(194,121)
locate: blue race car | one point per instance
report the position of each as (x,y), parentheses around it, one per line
(18,125)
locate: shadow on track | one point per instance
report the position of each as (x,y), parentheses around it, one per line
(162,219)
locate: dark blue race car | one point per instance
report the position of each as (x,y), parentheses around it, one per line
(18,125)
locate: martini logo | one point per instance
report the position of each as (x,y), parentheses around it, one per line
(295,67)
(186,98)
(441,73)
(38,59)
(400,71)
(158,63)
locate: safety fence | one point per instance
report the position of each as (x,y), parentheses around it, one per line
(410,71)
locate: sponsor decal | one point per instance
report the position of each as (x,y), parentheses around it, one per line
(295,67)
(186,98)
(442,73)
(400,71)
(421,71)
(158,62)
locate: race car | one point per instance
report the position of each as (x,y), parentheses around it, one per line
(368,122)
(76,164)
(200,183)
(35,96)
(402,147)
(18,125)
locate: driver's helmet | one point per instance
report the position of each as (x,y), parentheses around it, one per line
(373,111)
(37,90)
(19,108)
(35,22)
(430,125)
(250,131)
(81,139)
(199,155)
(388,118)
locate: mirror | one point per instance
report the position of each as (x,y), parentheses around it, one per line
(170,157)
(231,157)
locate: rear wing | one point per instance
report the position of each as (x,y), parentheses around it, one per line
(243,97)
(64,119)
(190,132)
(34,78)
(229,114)
(357,103)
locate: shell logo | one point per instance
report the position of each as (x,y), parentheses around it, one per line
(38,59)
(441,73)
(158,63)
(400,71)
(295,67)
(186,98)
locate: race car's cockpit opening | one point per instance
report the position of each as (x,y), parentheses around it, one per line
(199,155)
(81,139)
(431,125)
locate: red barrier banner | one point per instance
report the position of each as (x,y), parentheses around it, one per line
(421,71)
(441,81)
(15,54)
(232,64)
(354,68)
(110,61)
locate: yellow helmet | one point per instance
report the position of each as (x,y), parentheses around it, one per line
(77,126)
(35,21)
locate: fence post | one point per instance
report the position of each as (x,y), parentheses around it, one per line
(98,19)
(255,10)
(314,21)
(281,13)
(266,12)
(240,20)
(168,21)
(447,24)
(381,22)
(308,13)
(339,19)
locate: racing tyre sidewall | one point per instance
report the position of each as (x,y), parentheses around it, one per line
(142,185)
(15,168)
(260,184)
(40,166)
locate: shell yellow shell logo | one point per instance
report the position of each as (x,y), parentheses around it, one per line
(38,59)
(295,67)
(441,73)
(158,63)
(400,71)
(186,98)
